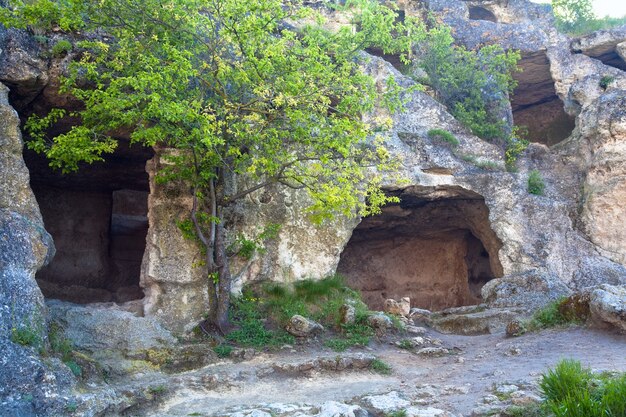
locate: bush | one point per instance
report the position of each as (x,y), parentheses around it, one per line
(443,136)
(536,185)
(474,85)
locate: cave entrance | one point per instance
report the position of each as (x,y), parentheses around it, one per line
(535,103)
(436,246)
(98,220)
(480,13)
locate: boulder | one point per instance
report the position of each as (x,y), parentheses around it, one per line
(398,308)
(386,403)
(608,305)
(529,290)
(302,327)
(478,321)
(426,412)
(337,409)
(380,321)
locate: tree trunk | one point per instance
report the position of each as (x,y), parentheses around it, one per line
(222,321)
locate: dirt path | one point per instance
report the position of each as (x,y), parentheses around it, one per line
(459,381)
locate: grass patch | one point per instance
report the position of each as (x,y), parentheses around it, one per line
(552,315)
(570,390)
(261,313)
(61,48)
(443,136)
(536,185)
(223,351)
(405,344)
(380,367)
(398,413)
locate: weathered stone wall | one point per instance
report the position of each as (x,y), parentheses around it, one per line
(172,277)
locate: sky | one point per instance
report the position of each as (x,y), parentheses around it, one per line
(613,8)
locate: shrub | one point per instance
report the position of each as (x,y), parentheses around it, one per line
(536,185)
(61,48)
(443,136)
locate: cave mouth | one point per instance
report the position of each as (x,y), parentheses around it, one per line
(436,247)
(535,103)
(480,13)
(98,220)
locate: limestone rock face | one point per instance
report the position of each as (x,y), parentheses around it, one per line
(174,283)
(608,305)
(21,67)
(24,247)
(601,147)
(105,326)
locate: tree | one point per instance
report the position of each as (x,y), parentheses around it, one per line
(573,15)
(235,92)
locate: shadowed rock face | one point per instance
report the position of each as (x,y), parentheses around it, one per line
(437,250)
(480,13)
(98,219)
(535,103)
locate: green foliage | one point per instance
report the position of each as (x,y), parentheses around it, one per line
(405,344)
(223,351)
(380,367)
(474,85)
(573,391)
(320,300)
(536,185)
(248,317)
(530,410)
(572,15)
(61,48)
(605,81)
(213,79)
(443,136)
(355,334)
(74,367)
(26,336)
(157,389)
(246,248)
(71,407)
(549,316)
(42,14)
(576,17)
(398,413)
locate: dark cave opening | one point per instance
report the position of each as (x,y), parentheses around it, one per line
(480,13)
(98,220)
(435,247)
(535,104)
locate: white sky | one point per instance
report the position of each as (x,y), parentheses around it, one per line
(613,8)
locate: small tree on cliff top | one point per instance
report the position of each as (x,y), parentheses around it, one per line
(240,95)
